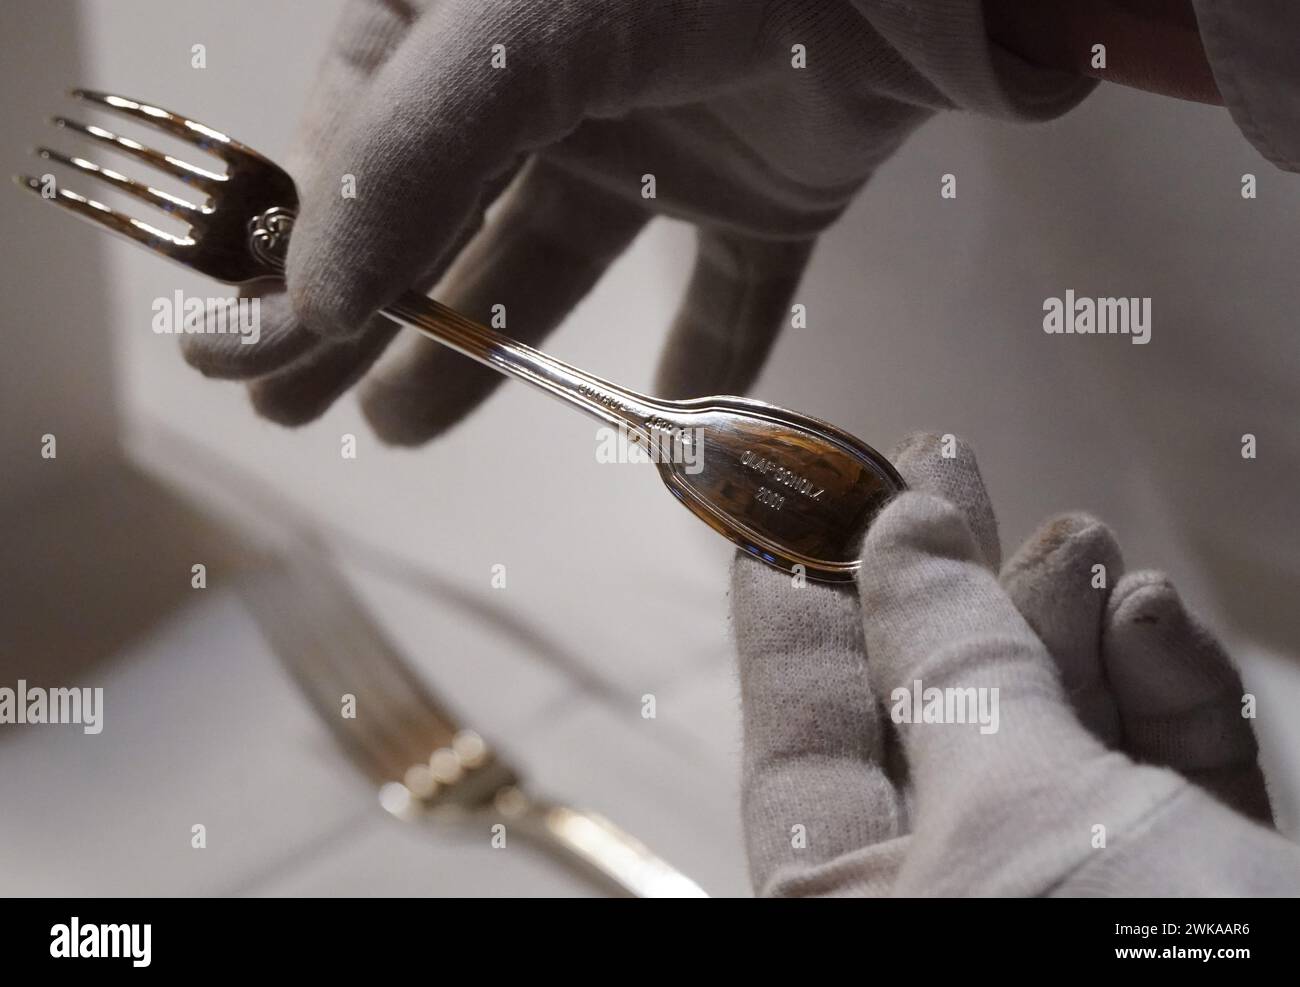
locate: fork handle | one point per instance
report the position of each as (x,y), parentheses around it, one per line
(604,401)
(607,853)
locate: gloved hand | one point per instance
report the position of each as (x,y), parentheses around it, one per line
(594,95)
(1115,710)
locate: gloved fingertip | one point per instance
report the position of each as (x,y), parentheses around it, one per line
(208,355)
(210,346)
(1076,541)
(422,391)
(272,342)
(1145,601)
(944,465)
(916,522)
(396,417)
(914,444)
(933,462)
(285,405)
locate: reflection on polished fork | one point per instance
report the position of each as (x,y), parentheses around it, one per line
(792,490)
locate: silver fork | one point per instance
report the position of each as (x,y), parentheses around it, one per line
(427,766)
(794,491)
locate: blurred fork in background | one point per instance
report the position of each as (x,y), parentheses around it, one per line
(428,767)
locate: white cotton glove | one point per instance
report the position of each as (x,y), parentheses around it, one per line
(1115,710)
(758,120)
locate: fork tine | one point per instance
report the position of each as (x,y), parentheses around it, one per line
(163,200)
(205,138)
(188,173)
(101,215)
